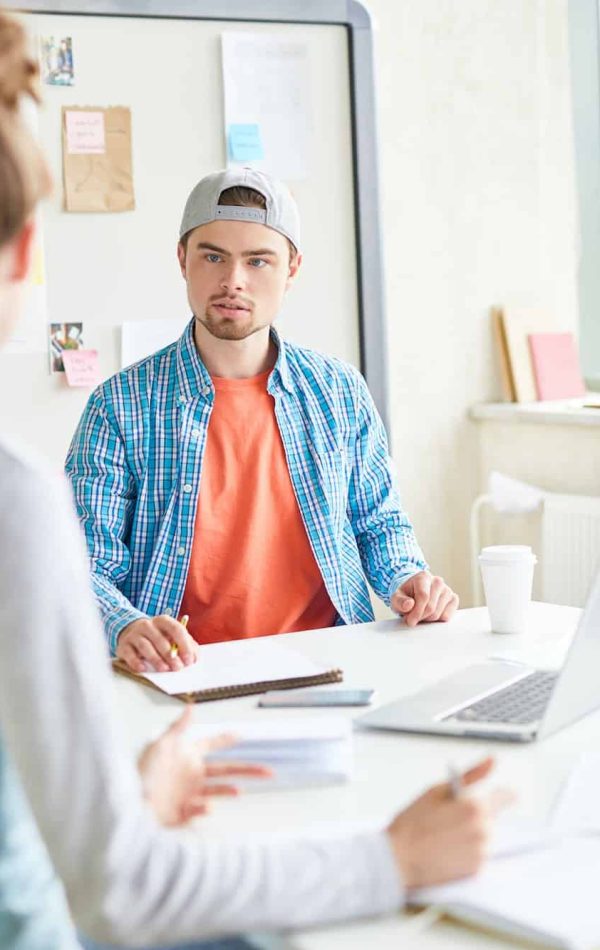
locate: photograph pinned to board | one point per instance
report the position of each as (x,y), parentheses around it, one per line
(97,163)
(63,336)
(266,82)
(56,58)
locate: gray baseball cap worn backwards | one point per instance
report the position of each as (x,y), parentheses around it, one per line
(281,211)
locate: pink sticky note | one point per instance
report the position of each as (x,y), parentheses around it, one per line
(85,133)
(81,367)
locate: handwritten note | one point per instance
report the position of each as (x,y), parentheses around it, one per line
(245,144)
(81,367)
(85,132)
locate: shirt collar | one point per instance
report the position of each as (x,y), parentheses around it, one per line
(193,378)
(281,370)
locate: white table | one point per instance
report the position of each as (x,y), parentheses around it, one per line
(391,768)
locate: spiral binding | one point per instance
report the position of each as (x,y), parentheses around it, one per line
(241,689)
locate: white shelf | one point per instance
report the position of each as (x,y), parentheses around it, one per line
(559,412)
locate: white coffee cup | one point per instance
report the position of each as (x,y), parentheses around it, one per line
(507,574)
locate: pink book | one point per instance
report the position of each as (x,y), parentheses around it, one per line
(555,362)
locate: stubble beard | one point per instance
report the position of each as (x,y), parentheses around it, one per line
(223,328)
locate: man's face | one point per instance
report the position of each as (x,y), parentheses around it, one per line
(237,273)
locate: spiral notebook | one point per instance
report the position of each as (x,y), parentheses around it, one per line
(237,668)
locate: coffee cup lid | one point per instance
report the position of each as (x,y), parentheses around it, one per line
(507,552)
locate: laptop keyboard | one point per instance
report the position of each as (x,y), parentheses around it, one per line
(521,702)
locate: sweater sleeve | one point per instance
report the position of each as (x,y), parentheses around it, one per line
(128,880)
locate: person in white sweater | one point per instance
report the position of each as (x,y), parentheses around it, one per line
(72,803)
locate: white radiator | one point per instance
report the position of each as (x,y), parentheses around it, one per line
(570,547)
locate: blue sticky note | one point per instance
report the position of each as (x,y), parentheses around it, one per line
(244,143)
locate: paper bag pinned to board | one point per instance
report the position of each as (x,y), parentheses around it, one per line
(97,168)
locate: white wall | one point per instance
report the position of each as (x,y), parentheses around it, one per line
(478,205)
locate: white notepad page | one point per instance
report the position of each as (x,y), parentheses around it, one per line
(550,894)
(236,663)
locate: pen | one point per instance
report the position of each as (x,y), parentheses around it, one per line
(454,781)
(184,623)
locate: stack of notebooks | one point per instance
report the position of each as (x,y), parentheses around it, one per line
(238,668)
(312,750)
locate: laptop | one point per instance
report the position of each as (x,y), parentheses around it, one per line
(501,700)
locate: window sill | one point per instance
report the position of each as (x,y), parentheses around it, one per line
(559,412)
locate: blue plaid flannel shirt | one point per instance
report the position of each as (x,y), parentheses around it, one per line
(136,459)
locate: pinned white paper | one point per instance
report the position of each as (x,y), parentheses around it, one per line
(266,81)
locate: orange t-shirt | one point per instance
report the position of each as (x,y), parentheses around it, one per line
(252,570)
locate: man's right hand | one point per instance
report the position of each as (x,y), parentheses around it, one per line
(439,837)
(146,644)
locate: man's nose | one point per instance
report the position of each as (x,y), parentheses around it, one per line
(232,278)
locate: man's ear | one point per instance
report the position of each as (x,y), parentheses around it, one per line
(181,254)
(22,246)
(295,264)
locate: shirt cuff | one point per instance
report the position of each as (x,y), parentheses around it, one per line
(116,620)
(399,579)
(388,892)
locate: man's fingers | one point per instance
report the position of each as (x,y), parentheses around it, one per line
(219,789)
(221,769)
(477,772)
(147,650)
(224,740)
(421,590)
(442,602)
(176,634)
(435,603)
(450,608)
(131,657)
(195,807)
(182,722)
(163,644)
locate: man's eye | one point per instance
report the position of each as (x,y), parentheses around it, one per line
(213,258)
(257,262)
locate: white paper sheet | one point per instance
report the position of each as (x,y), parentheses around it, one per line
(550,894)
(578,805)
(141,338)
(234,664)
(266,82)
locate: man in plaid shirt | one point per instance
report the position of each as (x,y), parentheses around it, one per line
(236,478)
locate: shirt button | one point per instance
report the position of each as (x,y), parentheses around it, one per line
(181,551)
(187,489)
(195,433)
(168,612)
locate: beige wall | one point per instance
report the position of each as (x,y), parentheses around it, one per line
(478,205)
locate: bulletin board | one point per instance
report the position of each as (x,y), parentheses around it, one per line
(161,59)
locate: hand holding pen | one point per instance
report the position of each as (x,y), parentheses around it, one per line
(160,644)
(174,647)
(444,834)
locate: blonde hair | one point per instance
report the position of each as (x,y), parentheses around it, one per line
(24,175)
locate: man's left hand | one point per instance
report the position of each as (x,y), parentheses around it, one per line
(176,778)
(424,598)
